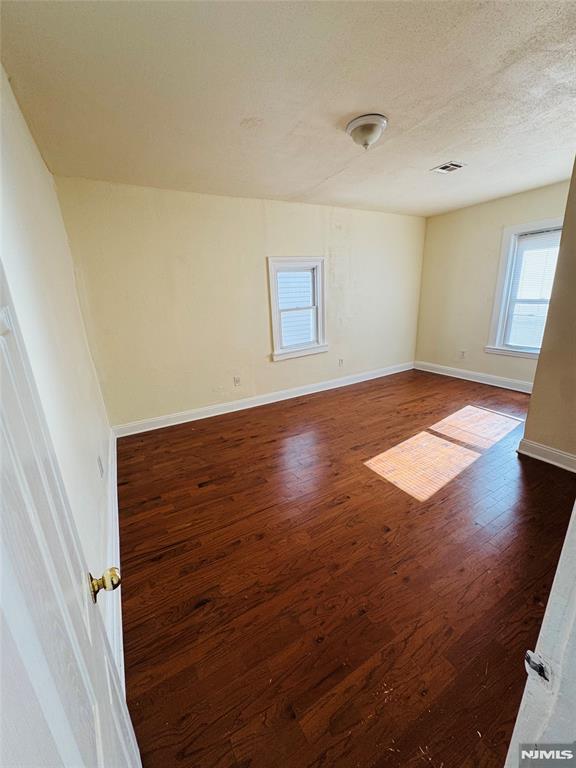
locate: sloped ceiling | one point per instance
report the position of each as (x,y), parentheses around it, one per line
(251,98)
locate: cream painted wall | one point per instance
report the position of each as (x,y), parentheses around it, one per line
(552,415)
(39,271)
(459,275)
(175,294)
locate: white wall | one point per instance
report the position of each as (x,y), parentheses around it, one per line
(459,275)
(174,290)
(40,274)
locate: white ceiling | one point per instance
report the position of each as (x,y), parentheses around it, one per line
(251,98)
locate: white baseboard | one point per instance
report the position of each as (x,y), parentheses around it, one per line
(113,605)
(218,409)
(481,378)
(547,454)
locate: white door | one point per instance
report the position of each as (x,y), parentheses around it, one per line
(546,714)
(61,702)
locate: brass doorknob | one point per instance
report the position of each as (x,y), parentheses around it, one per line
(109,580)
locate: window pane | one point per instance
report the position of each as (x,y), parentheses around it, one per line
(298,327)
(536,272)
(534,265)
(295,288)
(526,326)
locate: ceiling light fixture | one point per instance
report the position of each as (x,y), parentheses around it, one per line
(366,130)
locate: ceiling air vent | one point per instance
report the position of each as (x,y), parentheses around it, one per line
(448,167)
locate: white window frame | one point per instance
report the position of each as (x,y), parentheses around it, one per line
(502,298)
(280,264)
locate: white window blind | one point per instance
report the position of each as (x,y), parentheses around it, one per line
(297,303)
(532,275)
(298,310)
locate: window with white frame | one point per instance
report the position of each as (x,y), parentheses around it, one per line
(297,303)
(529,256)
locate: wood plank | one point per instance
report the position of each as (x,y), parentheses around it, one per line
(285,605)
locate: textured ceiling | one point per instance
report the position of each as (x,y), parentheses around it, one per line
(251,98)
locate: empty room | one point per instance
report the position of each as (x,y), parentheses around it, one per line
(288,384)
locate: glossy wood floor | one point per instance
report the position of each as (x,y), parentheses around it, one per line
(286,606)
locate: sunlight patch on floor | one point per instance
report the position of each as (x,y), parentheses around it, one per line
(477,427)
(422,464)
(425,463)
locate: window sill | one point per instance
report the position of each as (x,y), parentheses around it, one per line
(301,352)
(511,352)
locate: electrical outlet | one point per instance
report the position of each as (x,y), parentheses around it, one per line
(236,381)
(341,362)
(462,354)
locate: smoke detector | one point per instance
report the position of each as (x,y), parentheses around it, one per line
(366,130)
(449,167)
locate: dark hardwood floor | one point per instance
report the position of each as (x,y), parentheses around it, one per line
(286,606)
